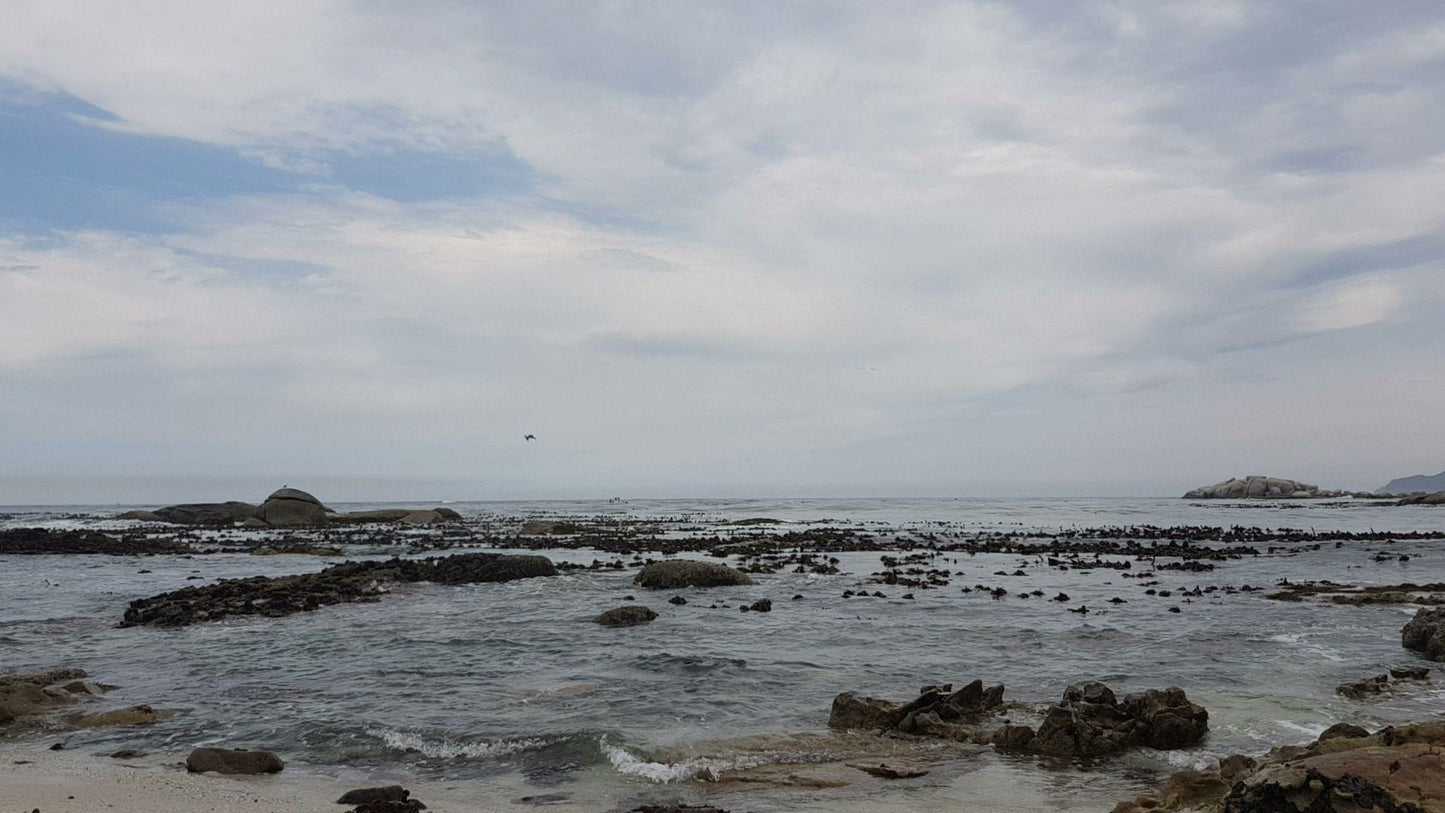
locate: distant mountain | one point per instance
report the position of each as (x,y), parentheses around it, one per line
(1409,485)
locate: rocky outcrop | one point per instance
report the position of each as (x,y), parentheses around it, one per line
(1437,498)
(344,583)
(41,541)
(133,716)
(205,513)
(1089,722)
(1417,484)
(1385,683)
(28,694)
(1346,770)
(1260,487)
(1425,633)
(233,761)
(292,508)
(677,573)
(389,799)
(628,616)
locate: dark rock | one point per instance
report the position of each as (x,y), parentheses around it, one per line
(628,616)
(762,605)
(1343,730)
(292,508)
(361,796)
(1089,722)
(678,600)
(207,513)
(233,761)
(679,573)
(1360,689)
(1236,765)
(1410,672)
(347,582)
(852,712)
(885,772)
(42,541)
(1425,633)
(677,808)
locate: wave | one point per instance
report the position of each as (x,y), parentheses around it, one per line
(447,748)
(706,768)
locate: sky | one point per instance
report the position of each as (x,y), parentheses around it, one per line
(956,249)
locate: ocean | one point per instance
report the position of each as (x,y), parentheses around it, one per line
(512,687)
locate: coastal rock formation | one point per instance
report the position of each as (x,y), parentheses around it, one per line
(1260,487)
(1380,684)
(1395,770)
(40,541)
(628,616)
(207,513)
(233,761)
(689,573)
(1088,722)
(1425,633)
(292,508)
(347,582)
(1437,498)
(133,716)
(286,508)
(32,693)
(1418,484)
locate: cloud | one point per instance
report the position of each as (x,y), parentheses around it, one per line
(674,237)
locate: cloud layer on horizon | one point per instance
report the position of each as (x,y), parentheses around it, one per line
(905,248)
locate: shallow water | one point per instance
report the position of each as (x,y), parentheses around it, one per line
(512,682)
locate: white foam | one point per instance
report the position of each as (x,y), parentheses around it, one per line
(704,768)
(451,749)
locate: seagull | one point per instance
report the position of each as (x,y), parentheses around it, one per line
(529,437)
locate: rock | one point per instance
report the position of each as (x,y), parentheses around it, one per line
(1343,730)
(25,699)
(542,527)
(762,605)
(207,513)
(1437,498)
(1236,765)
(421,518)
(135,715)
(689,573)
(677,808)
(407,806)
(1088,722)
(142,516)
(1260,487)
(1192,789)
(347,582)
(628,616)
(383,515)
(45,678)
(233,761)
(678,600)
(851,712)
(292,508)
(1405,779)
(362,796)
(884,772)
(43,541)
(294,494)
(1425,633)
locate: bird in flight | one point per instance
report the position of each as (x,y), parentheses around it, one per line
(529,437)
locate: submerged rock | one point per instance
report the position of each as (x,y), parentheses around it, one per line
(42,541)
(344,583)
(133,716)
(233,761)
(628,616)
(1425,633)
(689,573)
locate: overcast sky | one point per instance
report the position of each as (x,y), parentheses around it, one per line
(718,249)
